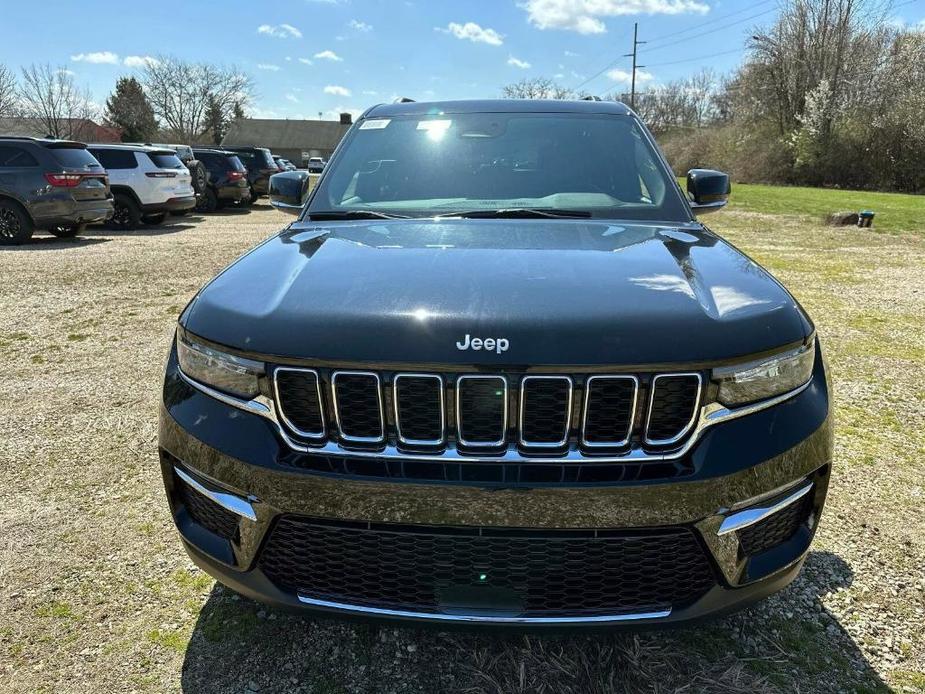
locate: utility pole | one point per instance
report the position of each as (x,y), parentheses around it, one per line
(636,44)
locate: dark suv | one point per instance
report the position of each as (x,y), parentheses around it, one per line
(54,185)
(226,180)
(260,166)
(498,373)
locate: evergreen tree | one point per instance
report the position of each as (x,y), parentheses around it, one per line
(129,109)
(215,120)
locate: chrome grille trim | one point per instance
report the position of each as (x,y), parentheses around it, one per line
(632,418)
(459,435)
(282,413)
(694,410)
(442,392)
(568,413)
(337,417)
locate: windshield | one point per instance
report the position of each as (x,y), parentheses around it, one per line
(599,165)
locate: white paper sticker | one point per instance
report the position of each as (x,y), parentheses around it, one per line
(375,124)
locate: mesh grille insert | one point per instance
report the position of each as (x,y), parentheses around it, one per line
(481,410)
(672,405)
(419,408)
(776,528)
(300,400)
(609,409)
(545,410)
(529,572)
(206,512)
(358,406)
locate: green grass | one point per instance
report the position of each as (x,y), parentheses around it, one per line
(895,212)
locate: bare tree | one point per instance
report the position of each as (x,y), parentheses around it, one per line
(537,88)
(8,98)
(181,94)
(50,96)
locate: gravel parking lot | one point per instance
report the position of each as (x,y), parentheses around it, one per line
(96,593)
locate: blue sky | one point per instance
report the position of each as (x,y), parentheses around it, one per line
(324,56)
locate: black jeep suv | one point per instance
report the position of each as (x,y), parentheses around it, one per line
(498,373)
(226,180)
(260,166)
(55,185)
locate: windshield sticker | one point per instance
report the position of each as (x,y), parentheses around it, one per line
(375,124)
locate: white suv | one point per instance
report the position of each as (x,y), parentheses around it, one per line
(146,183)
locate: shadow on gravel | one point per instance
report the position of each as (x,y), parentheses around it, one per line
(168,227)
(53,243)
(787,643)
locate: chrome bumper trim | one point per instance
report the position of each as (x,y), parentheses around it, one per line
(750,516)
(483,619)
(229,502)
(709,415)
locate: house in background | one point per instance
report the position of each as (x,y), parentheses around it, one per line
(80,129)
(295,140)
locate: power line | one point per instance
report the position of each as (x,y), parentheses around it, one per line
(696,58)
(712,20)
(603,69)
(713,31)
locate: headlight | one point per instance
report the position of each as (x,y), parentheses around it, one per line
(222,371)
(765,378)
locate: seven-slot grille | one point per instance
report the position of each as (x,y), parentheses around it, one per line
(478,411)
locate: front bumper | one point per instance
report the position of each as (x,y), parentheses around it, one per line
(221,450)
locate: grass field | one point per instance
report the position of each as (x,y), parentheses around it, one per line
(96,593)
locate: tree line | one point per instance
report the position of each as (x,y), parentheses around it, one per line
(183,101)
(831,94)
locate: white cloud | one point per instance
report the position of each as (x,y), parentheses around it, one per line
(293,98)
(334,113)
(66,72)
(584,16)
(305,61)
(328,55)
(517,62)
(268,66)
(625,76)
(280,31)
(336,90)
(571,54)
(359,26)
(370,92)
(106,57)
(470,31)
(140,61)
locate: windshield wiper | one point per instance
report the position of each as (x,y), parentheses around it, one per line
(353,214)
(519,213)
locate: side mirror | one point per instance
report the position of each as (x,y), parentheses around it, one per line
(708,190)
(287,191)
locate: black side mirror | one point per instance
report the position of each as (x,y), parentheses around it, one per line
(287,191)
(708,190)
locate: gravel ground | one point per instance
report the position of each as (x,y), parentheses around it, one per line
(96,593)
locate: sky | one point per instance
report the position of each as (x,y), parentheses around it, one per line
(311,57)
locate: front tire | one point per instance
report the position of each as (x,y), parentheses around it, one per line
(126,214)
(15,225)
(67,232)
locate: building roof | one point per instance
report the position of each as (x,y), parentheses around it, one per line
(420,108)
(74,128)
(285,134)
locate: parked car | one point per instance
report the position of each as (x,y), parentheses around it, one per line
(260,166)
(146,182)
(226,179)
(473,383)
(283,164)
(52,185)
(316,165)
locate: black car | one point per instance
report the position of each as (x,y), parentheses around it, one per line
(498,373)
(226,180)
(54,185)
(260,166)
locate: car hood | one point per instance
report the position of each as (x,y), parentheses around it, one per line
(558,291)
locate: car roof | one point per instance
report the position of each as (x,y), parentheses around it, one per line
(41,140)
(131,148)
(212,150)
(244,148)
(422,108)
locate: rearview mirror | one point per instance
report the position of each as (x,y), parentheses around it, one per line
(288,191)
(708,190)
